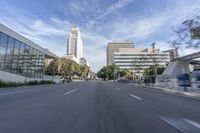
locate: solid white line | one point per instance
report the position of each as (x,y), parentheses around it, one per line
(14,92)
(192,123)
(172,124)
(118,89)
(70,91)
(139,98)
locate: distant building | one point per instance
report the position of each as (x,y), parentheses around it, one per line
(75,44)
(71,57)
(20,57)
(136,59)
(114,47)
(173,54)
(83,61)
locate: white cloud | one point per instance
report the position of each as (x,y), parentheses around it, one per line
(162,45)
(139,28)
(42,28)
(60,22)
(96,58)
(119,4)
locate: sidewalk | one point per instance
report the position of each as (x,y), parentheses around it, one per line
(195,94)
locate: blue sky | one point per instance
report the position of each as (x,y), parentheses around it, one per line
(48,22)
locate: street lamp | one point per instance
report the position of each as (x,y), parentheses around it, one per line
(107,73)
(154,59)
(132,69)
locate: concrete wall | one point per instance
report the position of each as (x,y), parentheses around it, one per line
(10,77)
(176,68)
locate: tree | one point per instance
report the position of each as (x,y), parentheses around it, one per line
(52,68)
(110,71)
(84,71)
(67,68)
(126,74)
(151,71)
(78,70)
(102,73)
(184,34)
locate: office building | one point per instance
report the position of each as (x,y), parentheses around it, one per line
(173,54)
(83,62)
(20,56)
(71,57)
(139,59)
(75,44)
(127,57)
(114,47)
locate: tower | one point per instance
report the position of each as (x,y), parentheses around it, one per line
(75,43)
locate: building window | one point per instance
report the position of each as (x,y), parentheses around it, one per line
(9,54)
(3,47)
(21,61)
(17,57)
(16,51)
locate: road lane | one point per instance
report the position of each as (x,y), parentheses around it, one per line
(16,92)
(183,125)
(139,98)
(92,107)
(118,89)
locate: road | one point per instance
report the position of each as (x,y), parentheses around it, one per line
(96,107)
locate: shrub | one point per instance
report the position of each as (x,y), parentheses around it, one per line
(42,82)
(9,84)
(2,84)
(46,82)
(34,82)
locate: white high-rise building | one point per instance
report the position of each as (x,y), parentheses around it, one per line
(75,44)
(139,59)
(126,56)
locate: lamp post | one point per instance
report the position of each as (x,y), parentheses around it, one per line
(107,72)
(132,69)
(154,59)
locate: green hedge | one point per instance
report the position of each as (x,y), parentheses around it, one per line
(46,82)
(14,84)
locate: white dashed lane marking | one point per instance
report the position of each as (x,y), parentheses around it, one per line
(118,89)
(70,91)
(134,96)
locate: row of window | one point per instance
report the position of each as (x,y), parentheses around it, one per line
(19,58)
(139,61)
(140,54)
(139,57)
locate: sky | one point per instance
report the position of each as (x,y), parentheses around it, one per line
(48,23)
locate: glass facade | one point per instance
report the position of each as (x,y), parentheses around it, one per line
(19,58)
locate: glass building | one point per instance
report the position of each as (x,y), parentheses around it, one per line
(20,56)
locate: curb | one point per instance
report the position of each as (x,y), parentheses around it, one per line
(185,94)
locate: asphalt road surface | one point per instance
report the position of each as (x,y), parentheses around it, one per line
(96,107)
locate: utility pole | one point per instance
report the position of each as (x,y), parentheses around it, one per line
(154,59)
(107,72)
(132,70)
